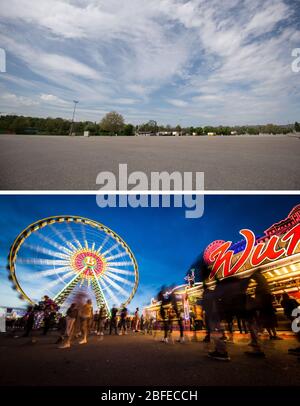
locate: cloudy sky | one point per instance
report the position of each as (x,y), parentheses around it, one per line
(181,62)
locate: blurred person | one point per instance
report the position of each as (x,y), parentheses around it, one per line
(178,316)
(242,325)
(136,320)
(86,316)
(113,320)
(151,325)
(267,313)
(163,299)
(207,309)
(49,308)
(142,323)
(288,304)
(216,327)
(29,321)
(71,316)
(123,323)
(101,321)
(95,322)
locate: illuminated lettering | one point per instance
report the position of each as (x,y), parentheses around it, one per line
(222,257)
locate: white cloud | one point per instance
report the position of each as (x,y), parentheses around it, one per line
(138,52)
(126,101)
(51,98)
(14,100)
(177,103)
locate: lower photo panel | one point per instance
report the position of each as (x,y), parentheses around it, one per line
(138,296)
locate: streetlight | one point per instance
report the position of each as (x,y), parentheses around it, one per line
(72,123)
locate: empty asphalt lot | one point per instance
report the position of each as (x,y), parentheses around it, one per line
(72,163)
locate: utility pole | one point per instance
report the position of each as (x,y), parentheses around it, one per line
(72,123)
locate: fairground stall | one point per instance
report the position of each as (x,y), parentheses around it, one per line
(275,254)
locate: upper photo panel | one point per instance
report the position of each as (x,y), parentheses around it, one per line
(149,95)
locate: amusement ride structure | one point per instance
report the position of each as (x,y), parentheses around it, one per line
(62,256)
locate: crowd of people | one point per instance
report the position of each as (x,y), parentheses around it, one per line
(222,313)
(79,321)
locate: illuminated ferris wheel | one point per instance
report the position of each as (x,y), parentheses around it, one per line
(63,256)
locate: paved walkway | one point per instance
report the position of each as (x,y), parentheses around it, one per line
(142,360)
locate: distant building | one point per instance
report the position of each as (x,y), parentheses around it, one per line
(146,133)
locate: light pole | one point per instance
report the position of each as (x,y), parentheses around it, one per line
(72,123)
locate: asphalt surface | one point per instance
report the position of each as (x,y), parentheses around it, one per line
(142,360)
(73,163)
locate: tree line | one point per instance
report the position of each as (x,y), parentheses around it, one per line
(113,123)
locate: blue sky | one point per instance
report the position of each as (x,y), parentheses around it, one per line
(181,62)
(163,241)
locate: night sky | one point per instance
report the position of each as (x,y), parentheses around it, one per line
(164,242)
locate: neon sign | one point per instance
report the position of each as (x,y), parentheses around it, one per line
(256,254)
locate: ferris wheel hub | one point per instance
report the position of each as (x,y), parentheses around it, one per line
(88,263)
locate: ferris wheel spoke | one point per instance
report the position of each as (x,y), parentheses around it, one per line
(48,272)
(42,261)
(63,238)
(120,255)
(109,291)
(59,234)
(115,285)
(60,279)
(104,242)
(110,249)
(83,232)
(119,263)
(74,237)
(119,278)
(44,250)
(54,243)
(119,271)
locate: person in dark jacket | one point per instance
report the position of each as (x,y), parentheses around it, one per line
(288,304)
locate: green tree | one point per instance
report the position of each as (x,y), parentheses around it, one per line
(199,131)
(129,129)
(112,122)
(91,127)
(297,127)
(19,125)
(178,129)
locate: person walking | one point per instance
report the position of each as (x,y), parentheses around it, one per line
(101,321)
(113,320)
(29,321)
(123,317)
(267,314)
(136,320)
(50,308)
(288,304)
(95,322)
(71,316)
(86,316)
